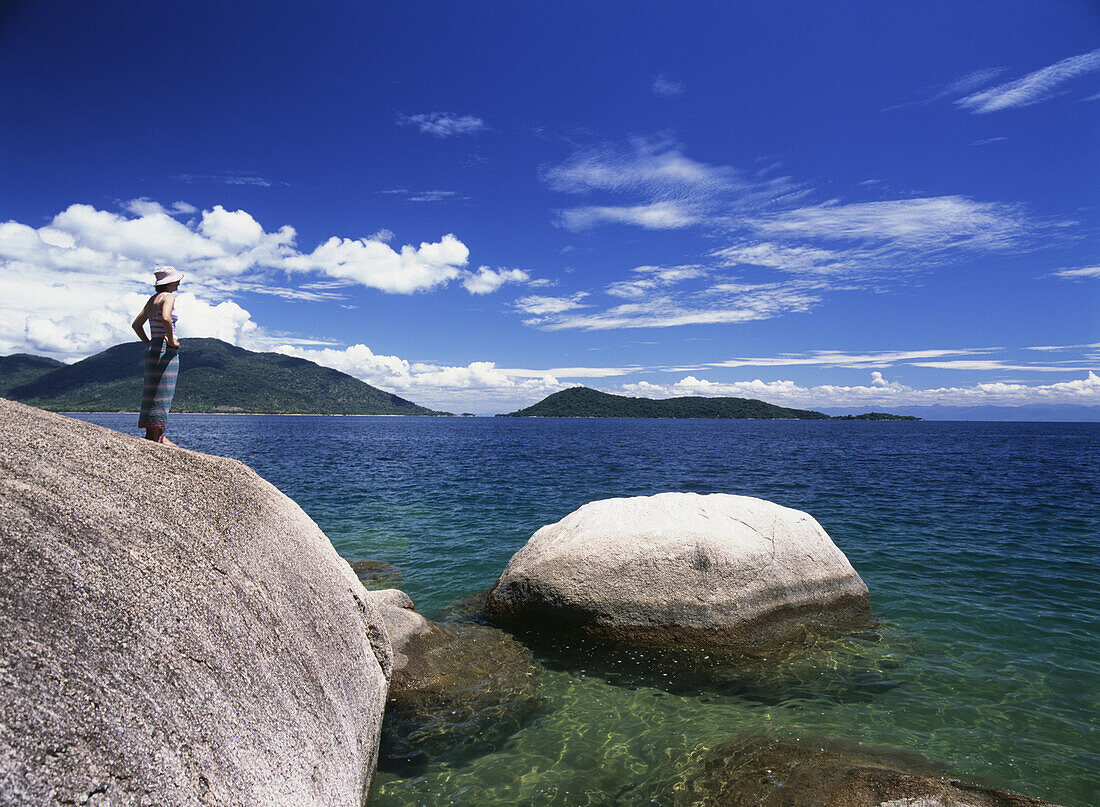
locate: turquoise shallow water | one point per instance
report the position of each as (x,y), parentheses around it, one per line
(980,543)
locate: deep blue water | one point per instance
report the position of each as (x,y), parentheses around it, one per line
(980,543)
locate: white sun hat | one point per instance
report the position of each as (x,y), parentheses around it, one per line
(167,274)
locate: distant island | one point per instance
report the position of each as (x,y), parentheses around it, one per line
(875,416)
(583,402)
(215,377)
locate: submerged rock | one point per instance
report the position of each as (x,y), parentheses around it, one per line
(458,689)
(376,574)
(762,772)
(680,570)
(175,631)
(402,624)
(820,666)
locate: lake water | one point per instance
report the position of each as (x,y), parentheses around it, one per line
(980,543)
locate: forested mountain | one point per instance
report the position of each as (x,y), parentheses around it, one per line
(214,377)
(582,402)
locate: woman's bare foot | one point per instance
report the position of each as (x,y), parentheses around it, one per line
(165,441)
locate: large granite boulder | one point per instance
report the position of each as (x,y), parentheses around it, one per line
(459,689)
(173,631)
(815,772)
(680,570)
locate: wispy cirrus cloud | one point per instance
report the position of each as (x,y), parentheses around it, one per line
(671,190)
(930,223)
(997,364)
(837,358)
(226,179)
(298,294)
(667,87)
(1058,348)
(822,249)
(1034,87)
(953,89)
(647,279)
(669,215)
(668,296)
(984,359)
(429,196)
(795,259)
(1079,273)
(655,166)
(443,124)
(769,229)
(719,303)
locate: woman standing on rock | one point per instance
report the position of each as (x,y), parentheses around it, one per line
(162,361)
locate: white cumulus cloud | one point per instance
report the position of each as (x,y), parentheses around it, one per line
(375,264)
(72,286)
(880,392)
(479,384)
(235,229)
(540,304)
(486,280)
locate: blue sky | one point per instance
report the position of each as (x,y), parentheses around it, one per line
(853,205)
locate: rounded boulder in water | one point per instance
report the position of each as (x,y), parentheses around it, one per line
(680,570)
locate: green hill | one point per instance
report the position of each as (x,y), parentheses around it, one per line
(876,416)
(214,377)
(582,402)
(22,368)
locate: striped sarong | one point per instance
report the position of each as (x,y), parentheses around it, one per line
(162,365)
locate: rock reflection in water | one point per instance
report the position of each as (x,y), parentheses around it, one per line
(822,664)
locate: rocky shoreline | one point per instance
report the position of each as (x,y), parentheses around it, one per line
(176,631)
(179,632)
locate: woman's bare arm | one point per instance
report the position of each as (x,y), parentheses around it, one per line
(166,306)
(139,324)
